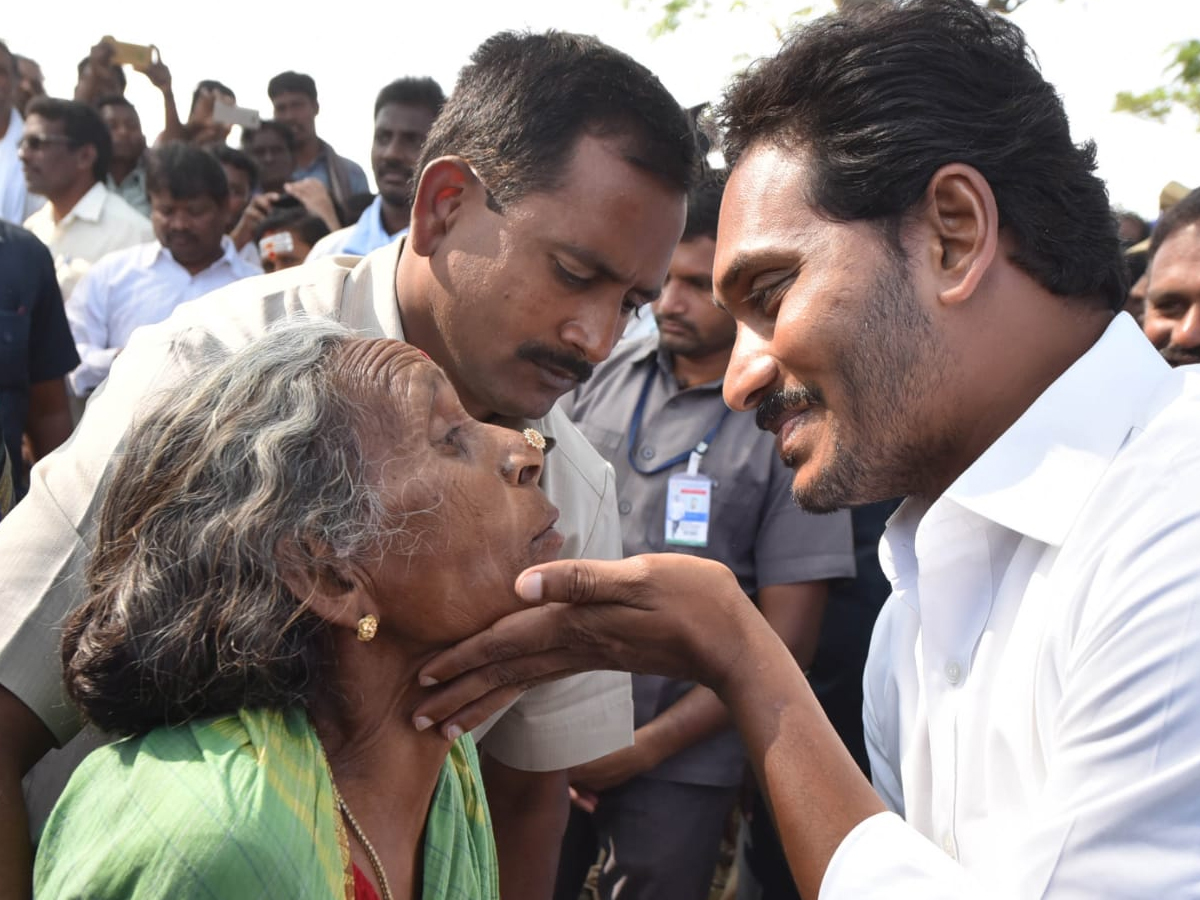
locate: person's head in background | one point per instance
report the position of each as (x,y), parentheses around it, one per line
(189,203)
(201,128)
(30,82)
(285,238)
(294,103)
(242,176)
(97,76)
(125,129)
(404,112)
(1172,317)
(65,149)
(272,146)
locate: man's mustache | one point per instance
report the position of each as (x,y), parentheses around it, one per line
(539,354)
(1181,356)
(778,404)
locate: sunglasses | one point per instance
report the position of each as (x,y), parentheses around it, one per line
(38,142)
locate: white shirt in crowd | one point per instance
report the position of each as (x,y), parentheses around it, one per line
(1033,687)
(130,288)
(16,203)
(99,223)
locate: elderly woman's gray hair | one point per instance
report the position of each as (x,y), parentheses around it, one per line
(187,613)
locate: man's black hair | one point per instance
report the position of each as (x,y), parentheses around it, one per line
(118,72)
(1184,213)
(423,92)
(239,160)
(292,83)
(524,100)
(82,125)
(269,125)
(114,100)
(298,219)
(184,171)
(704,205)
(210,84)
(881,96)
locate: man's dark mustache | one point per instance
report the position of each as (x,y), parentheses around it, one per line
(679,321)
(1181,356)
(778,403)
(576,366)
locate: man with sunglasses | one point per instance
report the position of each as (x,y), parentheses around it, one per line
(65,151)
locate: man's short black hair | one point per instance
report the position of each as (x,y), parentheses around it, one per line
(524,101)
(118,72)
(114,100)
(1184,213)
(269,125)
(82,125)
(292,83)
(184,171)
(298,219)
(211,84)
(704,205)
(881,96)
(239,160)
(423,92)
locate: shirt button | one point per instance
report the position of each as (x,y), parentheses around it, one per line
(953,673)
(948,846)
(647,453)
(625,507)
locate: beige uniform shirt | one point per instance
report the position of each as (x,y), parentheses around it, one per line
(44,541)
(99,223)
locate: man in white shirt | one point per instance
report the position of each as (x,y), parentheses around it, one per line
(65,151)
(143,284)
(16,203)
(927,282)
(404,112)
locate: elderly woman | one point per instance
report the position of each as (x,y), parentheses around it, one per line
(283,545)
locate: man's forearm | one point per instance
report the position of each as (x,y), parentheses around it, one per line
(696,715)
(529,815)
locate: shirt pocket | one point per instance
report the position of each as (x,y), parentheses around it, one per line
(14,348)
(606,441)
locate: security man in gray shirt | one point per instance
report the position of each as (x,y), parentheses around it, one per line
(692,477)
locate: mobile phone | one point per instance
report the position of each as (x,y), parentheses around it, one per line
(137,55)
(229,114)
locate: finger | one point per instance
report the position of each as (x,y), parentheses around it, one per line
(581,581)
(463,717)
(523,633)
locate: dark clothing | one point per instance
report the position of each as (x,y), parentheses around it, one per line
(35,341)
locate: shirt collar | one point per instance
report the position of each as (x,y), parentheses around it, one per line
(229,257)
(90,205)
(368,232)
(1037,476)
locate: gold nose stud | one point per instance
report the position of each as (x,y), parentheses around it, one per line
(534,438)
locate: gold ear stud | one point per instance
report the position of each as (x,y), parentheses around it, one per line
(368,625)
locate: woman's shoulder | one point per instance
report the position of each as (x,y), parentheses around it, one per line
(239,805)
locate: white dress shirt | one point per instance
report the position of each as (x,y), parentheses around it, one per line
(131,288)
(16,203)
(1032,704)
(99,223)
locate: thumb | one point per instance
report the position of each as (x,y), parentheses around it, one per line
(582,581)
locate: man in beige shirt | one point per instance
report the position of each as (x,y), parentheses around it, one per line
(65,151)
(518,274)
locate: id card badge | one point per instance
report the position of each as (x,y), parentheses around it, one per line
(689,505)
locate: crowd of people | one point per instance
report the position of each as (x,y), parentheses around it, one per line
(872,456)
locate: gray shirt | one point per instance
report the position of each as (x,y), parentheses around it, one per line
(755,529)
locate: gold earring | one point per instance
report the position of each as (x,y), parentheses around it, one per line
(368,625)
(534,438)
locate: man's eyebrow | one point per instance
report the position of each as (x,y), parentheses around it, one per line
(733,273)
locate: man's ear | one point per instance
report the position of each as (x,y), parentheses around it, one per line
(444,186)
(325,585)
(85,157)
(960,211)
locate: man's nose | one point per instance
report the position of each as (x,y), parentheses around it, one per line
(671,301)
(752,371)
(594,330)
(1187,332)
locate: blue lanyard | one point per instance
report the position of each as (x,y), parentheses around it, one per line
(635,425)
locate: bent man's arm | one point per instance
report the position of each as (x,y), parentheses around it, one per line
(529,816)
(49,422)
(25,741)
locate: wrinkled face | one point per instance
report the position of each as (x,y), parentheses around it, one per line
(275,161)
(126,129)
(400,130)
(53,167)
(299,112)
(833,347)
(1172,320)
(282,250)
(464,493)
(240,191)
(190,227)
(689,323)
(534,297)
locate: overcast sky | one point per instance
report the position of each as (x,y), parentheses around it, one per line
(1088,48)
